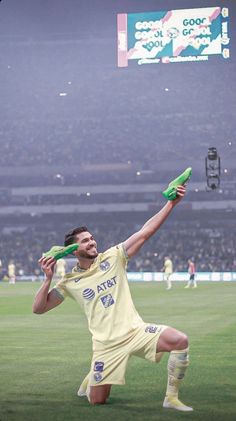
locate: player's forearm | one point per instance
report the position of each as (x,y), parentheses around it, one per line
(40,300)
(154,223)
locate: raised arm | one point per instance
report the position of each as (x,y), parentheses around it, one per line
(136,241)
(45,300)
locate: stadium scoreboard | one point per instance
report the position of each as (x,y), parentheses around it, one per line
(173,36)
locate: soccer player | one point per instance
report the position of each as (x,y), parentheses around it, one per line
(11,270)
(60,269)
(168,270)
(192,271)
(99,283)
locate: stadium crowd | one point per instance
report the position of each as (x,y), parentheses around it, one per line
(102,140)
(69,116)
(212,247)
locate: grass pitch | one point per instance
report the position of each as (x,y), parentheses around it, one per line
(43,358)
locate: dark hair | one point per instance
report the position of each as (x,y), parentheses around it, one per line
(70,236)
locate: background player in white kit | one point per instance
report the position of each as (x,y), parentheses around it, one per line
(99,283)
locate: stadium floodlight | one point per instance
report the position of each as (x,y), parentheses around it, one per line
(212,154)
(212,165)
(213,182)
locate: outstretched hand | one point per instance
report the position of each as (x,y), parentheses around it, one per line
(47,265)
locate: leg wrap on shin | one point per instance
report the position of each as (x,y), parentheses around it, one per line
(177,365)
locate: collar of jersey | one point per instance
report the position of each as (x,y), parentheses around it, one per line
(79,269)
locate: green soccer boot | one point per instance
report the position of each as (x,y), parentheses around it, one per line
(59,251)
(171,192)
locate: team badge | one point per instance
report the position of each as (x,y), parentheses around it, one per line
(98,366)
(105,265)
(151,329)
(97,377)
(88,294)
(107,300)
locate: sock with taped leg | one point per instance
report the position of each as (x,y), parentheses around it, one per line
(177,366)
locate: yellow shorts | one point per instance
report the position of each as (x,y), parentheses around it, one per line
(109,363)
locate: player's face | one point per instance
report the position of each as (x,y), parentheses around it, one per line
(87,246)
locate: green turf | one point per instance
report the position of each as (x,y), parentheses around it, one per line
(43,358)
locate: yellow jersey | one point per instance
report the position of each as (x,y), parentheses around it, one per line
(168,266)
(104,294)
(61,268)
(11,269)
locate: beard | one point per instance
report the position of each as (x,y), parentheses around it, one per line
(86,255)
(92,257)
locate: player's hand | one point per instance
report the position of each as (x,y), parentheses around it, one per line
(47,265)
(181,190)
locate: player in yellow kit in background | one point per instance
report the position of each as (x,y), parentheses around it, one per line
(60,269)
(99,283)
(11,271)
(168,271)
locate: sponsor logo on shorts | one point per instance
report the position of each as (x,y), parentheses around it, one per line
(151,329)
(98,366)
(88,294)
(107,300)
(97,377)
(105,265)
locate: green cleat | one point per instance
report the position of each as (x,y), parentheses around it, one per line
(171,192)
(59,251)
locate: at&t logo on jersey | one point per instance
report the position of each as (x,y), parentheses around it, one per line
(106,284)
(107,300)
(88,294)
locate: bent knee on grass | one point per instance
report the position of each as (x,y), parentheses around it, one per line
(96,401)
(99,394)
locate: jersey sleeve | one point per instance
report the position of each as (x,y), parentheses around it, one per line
(122,253)
(60,290)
